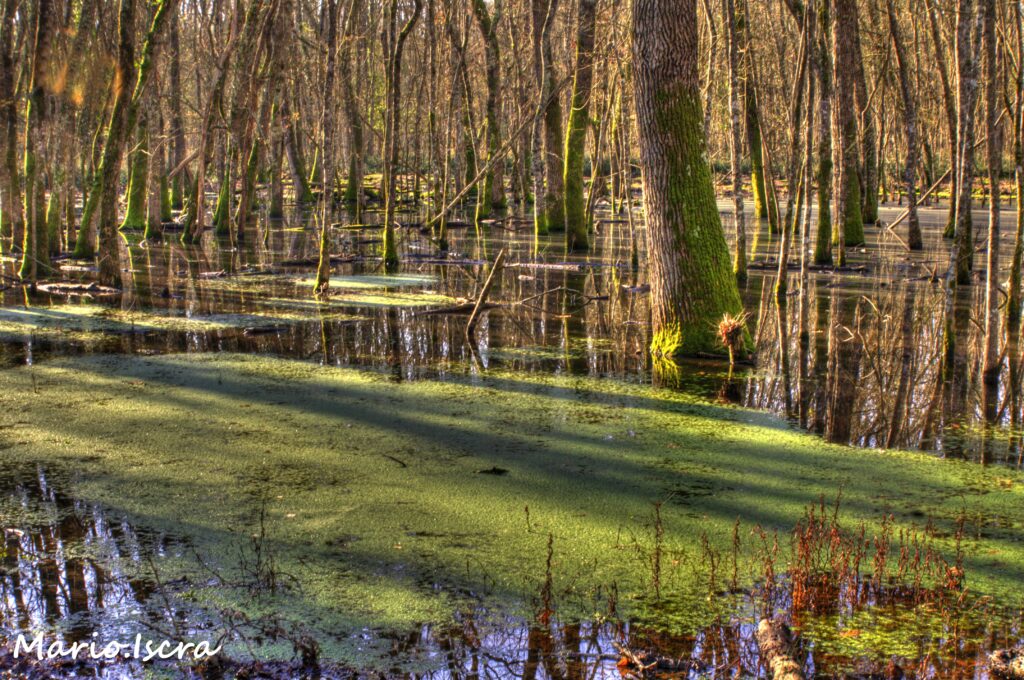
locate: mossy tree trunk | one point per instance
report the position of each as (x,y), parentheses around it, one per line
(914,241)
(123,117)
(393,88)
(11,218)
(692,284)
(549,207)
(323,271)
(177,130)
(138,177)
(35,259)
(822,62)
(576,227)
(354,120)
(848,227)
(492,194)
(868,173)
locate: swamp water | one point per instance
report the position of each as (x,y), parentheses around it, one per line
(211,454)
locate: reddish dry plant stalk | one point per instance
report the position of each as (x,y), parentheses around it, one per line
(730,333)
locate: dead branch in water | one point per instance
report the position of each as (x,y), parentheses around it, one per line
(482,298)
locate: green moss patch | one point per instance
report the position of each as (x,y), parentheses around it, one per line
(377,503)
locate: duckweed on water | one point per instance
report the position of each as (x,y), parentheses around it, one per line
(88,320)
(377,505)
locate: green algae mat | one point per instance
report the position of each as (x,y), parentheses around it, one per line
(393,504)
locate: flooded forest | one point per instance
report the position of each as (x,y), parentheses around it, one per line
(520,339)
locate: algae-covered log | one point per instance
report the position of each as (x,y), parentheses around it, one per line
(692,284)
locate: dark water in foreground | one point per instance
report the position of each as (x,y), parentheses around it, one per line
(870,328)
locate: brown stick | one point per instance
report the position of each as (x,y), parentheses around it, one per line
(776,644)
(482,298)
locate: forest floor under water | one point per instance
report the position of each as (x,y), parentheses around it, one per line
(353,486)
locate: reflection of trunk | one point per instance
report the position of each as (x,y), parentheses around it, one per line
(956,364)
(902,397)
(844,352)
(692,285)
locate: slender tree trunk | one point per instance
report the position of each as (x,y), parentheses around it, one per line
(991,361)
(823,67)
(493,193)
(866,124)
(396,46)
(11,217)
(969,20)
(692,285)
(576,228)
(736,141)
(848,229)
(323,270)
(910,123)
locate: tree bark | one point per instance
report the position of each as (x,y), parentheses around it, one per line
(692,285)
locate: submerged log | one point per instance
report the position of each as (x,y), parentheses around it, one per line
(1007,664)
(775,641)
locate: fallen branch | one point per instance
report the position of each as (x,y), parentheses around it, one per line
(482,298)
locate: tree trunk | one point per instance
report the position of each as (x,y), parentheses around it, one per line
(576,228)
(692,285)
(914,241)
(493,193)
(848,229)
(739,266)
(323,270)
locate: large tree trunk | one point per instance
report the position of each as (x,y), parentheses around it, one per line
(692,285)
(576,228)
